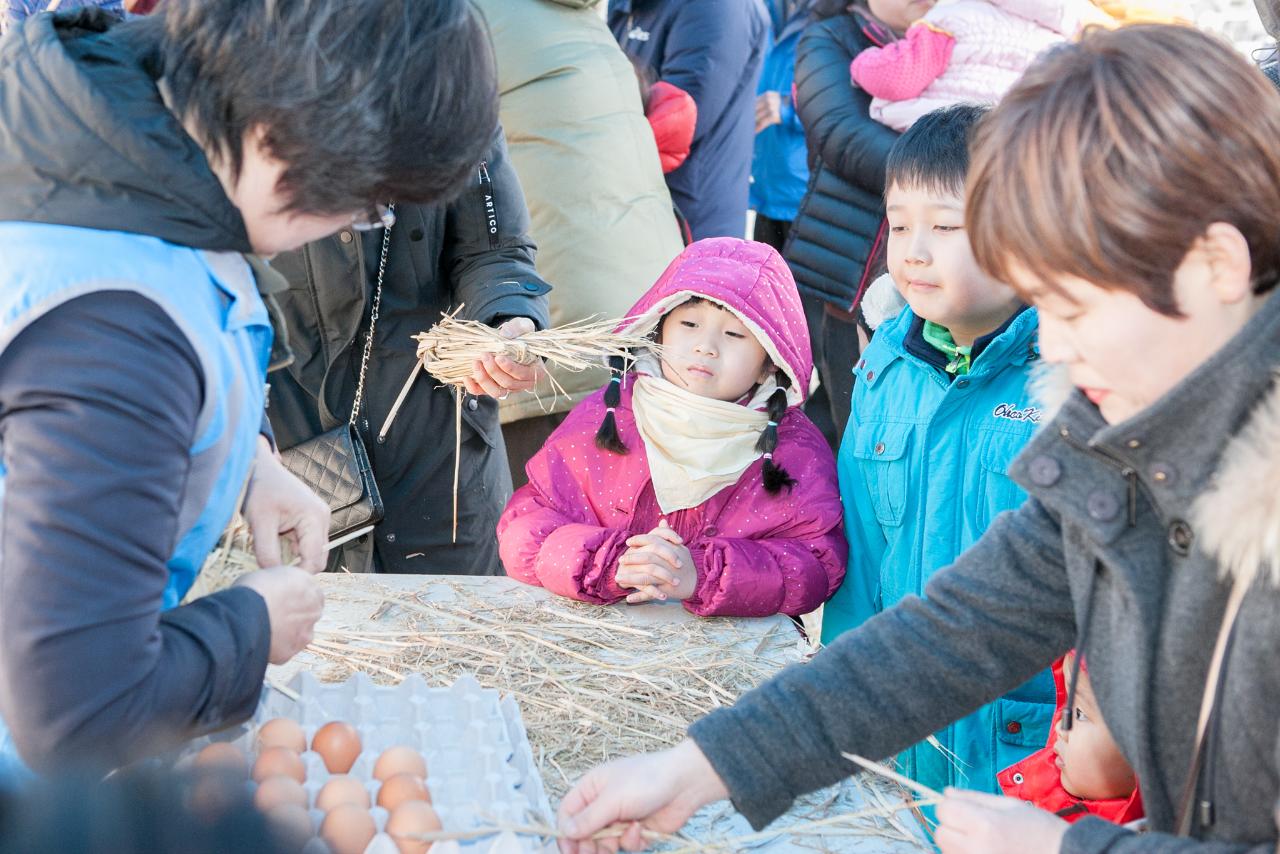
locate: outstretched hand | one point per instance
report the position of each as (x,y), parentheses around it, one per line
(650,793)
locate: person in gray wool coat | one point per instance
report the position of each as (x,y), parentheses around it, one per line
(1128,186)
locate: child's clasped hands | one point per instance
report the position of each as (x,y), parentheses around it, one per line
(657,565)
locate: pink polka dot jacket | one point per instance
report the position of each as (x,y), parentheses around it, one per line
(755,553)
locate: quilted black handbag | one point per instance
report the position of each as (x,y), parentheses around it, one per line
(335,464)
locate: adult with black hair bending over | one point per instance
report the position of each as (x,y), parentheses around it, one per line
(695,476)
(144,163)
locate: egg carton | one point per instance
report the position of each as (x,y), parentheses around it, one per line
(480,767)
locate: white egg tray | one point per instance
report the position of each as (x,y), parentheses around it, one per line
(480,768)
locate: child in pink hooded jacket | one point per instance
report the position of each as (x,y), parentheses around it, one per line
(964,52)
(697,478)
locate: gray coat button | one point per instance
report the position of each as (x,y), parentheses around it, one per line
(1181,537)
(1102,506)
(473,404)
(1045,471)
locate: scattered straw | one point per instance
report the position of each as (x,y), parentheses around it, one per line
(232,558)
(592,685)
(852,823)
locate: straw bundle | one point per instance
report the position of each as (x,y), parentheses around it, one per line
(232,558)
(449,350)
(592,684)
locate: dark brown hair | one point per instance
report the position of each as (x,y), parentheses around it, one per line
(364,102)
(1113,155)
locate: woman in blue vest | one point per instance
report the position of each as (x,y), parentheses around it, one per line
(142,163)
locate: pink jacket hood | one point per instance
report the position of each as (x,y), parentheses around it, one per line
(750,279)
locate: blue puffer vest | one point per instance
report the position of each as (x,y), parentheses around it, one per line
(213,299)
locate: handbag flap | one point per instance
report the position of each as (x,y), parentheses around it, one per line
(329,465)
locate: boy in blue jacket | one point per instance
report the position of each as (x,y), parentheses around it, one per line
(941,406)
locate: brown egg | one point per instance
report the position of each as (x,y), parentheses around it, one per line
(279,761)
(277,790)
(342,790)
(400,760)
(397,789)
(225,756)
(214,792)
(338,744)
(348,829)
(282,732)
(412,817)
(291,825)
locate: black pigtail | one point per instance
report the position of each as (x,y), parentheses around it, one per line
(775,476)
(607,436)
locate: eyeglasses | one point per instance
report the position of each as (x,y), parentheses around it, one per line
(377,216)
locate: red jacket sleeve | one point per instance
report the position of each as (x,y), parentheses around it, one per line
(673,115)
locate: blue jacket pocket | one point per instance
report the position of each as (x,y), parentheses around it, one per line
(881,451)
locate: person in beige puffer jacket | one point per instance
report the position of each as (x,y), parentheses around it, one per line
(599,208)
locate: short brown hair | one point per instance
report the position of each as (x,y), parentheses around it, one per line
(1112,155)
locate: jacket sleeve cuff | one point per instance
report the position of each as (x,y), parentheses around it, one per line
(264,429)
(519,300)
(1091,835)
(601,584)
(697,603)
(787,112)
(754,787)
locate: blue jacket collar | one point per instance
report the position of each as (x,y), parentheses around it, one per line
(914,341)
(1013,343)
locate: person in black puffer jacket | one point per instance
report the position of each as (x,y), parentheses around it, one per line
(839,231)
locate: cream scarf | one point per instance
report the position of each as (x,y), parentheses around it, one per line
(696,445)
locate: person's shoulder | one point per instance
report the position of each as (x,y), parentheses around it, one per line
(841,28)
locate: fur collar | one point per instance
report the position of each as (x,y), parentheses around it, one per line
(1238,516)
(1050,386)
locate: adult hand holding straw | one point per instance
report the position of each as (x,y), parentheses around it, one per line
(655,792)
(499,375)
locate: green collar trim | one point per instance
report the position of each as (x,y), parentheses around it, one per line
(959,360)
